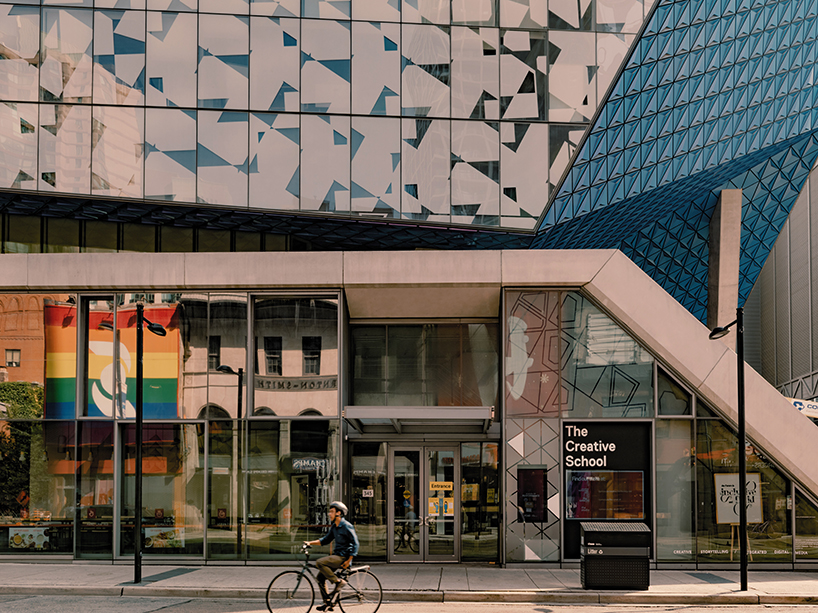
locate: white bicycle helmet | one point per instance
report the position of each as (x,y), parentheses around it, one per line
(339,506)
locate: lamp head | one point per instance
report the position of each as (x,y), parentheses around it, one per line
(719,333)
(157,329)
(226,369)
(105,325)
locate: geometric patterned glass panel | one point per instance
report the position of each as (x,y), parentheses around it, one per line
(18,145)
(170,157)
(65,148)
(67,65)
(171,59)
(325,66)
(119,57)
(224,61)
(532,353)
(532,447)
(425,158)
(116,158)
(376,166)
(274,149)
(325,163)
(20,33)
(605,373)
(222,158)
(274,85)
(475,172)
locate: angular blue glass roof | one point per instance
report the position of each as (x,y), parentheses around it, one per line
(716,94)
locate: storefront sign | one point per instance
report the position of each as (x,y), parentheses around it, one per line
(727,498)
(308,464)
(295,384)
(437,486)
(368,494)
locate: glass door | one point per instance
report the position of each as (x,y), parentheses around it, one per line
(425,502)
(404,491)
(443,504)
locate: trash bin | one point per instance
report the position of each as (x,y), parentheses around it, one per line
(614,556)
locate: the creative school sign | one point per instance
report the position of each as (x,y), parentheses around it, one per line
(606,475)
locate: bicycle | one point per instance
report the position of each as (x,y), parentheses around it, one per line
(294,590)
(405,537)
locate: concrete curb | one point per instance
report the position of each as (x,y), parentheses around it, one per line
(783,600)
(59,590)
(534,596)
(686,599)
(525,596)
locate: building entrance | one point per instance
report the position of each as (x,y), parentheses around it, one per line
(424,504)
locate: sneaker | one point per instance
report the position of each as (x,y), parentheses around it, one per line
(324,607)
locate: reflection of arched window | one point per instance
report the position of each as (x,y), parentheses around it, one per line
(13,314)
(33,314)
(264,411)
(309,412)
(213,411)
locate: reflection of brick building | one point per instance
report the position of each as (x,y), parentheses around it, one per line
(22,345)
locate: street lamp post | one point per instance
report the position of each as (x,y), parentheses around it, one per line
(223,368)
(159,331)
(742,453)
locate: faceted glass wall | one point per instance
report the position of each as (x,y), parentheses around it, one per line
(445,111)
(566,359)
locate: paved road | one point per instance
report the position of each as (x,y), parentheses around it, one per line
(103,604)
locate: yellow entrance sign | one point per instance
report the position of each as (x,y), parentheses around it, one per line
(438,486)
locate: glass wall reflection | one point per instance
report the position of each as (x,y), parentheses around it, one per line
(425,365)
(292,469)
(295,356)
(37,486)
(172,489)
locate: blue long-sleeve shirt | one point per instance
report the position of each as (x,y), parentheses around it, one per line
(346,541)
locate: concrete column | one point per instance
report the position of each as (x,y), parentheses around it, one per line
(725,252)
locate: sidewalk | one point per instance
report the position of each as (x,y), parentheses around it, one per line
(420,583)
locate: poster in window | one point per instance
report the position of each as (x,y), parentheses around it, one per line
(532,494)
(727,508)
(605,494)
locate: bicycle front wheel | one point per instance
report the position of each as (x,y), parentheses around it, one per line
(290,591)
(363,594)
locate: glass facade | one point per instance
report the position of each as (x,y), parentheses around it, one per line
(566,359)
(244,444)
(251,105)
(218,482)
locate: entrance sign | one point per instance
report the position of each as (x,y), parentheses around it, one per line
(727,498)
(437,486)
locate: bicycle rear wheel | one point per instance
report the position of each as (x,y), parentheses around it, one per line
(363,594)
(290,591)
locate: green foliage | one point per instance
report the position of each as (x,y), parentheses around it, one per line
(23,400)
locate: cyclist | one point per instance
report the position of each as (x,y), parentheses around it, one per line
(345,548)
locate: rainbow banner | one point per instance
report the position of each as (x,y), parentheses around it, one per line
(60,331)
(111,389)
